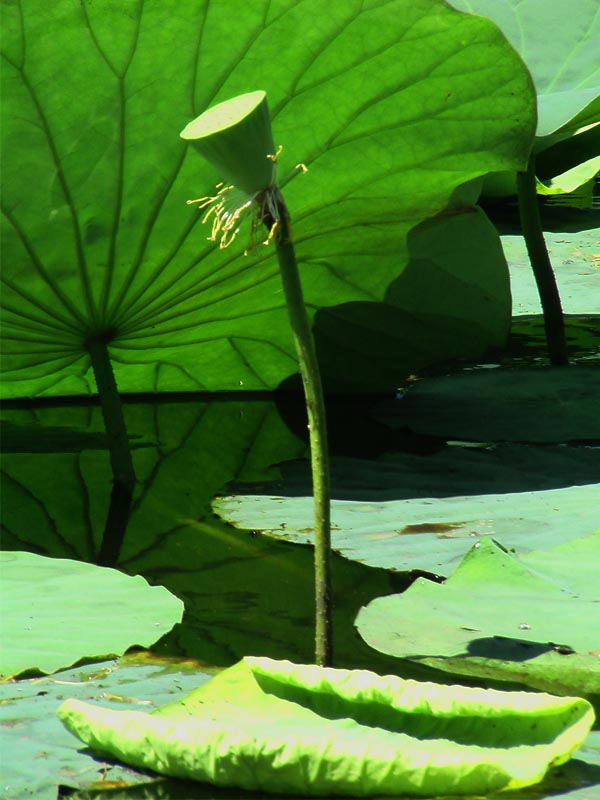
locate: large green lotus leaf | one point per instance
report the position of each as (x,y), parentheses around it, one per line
(532,618)
(58,611)
(39,754)
(560,49)
(430,533)
(491,405)
(240,592)
(392,107)
(312,730)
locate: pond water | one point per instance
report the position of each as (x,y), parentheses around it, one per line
(244,593)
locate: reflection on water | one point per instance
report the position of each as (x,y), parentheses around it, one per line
(244,594)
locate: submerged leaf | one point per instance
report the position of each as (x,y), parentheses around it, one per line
(279,727)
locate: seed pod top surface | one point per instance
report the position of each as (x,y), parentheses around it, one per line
(236,138)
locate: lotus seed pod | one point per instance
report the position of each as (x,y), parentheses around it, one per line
(236,138)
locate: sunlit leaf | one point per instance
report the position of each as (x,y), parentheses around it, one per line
(423,533)
(574,259)
(308,730)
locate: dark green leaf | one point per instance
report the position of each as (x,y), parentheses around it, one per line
(495,405)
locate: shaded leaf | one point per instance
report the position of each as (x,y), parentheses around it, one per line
(491,405)
(98,239)
(311,730)
(532,619)
(57,611)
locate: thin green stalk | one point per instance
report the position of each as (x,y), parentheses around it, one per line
(531,226)
(315,405)
(119,450)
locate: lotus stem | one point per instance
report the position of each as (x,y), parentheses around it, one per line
(531,226)
(317,428)
(120,454)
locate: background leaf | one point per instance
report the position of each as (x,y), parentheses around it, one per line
(57,611)
(502,405)
(392,107)
(560,50)
(532,619)
(574,257)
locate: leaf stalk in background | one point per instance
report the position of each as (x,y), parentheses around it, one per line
(531,227)
(119,450)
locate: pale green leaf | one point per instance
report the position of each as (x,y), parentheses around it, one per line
(560,48)
(56,612)
(532,619)
(430,534)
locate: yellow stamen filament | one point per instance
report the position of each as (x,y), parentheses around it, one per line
(275,156)
(225,219)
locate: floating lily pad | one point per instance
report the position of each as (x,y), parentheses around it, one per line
(430,534)
(39,754)
(310,730)
(56,612)
(491,405)
(533,619)
(574,259)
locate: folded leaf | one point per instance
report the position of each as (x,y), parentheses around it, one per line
(279,727)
